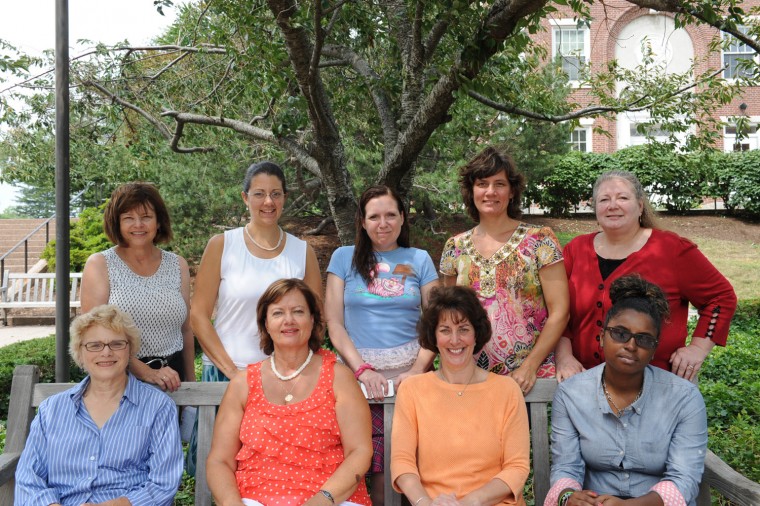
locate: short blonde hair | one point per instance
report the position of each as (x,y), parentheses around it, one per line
(110,317)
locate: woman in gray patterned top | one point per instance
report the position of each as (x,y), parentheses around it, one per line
(150,284)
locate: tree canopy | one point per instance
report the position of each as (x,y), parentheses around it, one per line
(349,93)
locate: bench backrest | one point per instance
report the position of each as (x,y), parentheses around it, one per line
(27,394)
(26,288)
(538,401)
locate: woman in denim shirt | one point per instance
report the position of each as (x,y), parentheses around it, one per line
(626,432)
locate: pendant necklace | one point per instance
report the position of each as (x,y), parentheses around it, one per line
(461,392)
(282,235)
(297,371)
(289,393)
(619,412)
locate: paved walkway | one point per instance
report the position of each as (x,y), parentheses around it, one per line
(10,335)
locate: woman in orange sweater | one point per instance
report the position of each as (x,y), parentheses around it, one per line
(460,434)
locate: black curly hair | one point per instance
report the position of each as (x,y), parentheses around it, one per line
(635,292)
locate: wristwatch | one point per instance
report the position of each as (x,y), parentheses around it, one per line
(328,495)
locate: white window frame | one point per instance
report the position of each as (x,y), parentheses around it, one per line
(740,51)
(752,140)
(575,144)
(557,27)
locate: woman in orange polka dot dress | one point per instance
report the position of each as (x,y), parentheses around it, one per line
(295,429)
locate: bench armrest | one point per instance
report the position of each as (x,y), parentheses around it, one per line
(730,483)
(8,463)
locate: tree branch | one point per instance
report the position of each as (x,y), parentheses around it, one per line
(264,116)
(379,96)
(217,85)
(636,105)
(434,38)
(499,23)
(174,144)
(168,66)
(680,7)
(319,40)
(157,124)
(293,148)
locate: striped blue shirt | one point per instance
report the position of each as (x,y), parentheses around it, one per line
(68,460)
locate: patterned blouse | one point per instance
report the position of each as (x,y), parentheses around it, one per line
(510,290)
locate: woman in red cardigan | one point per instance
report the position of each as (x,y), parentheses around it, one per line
(630,242)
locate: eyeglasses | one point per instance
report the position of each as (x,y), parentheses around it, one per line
(261,195)
(98,346)
(623,335)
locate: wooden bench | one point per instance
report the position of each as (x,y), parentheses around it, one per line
(31,290)
(27,393)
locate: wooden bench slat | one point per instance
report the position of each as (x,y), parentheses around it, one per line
(35,290)
(27,393)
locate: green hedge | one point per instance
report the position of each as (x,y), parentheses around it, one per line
(39,352)
(86,237)
(680,180)
(730,384)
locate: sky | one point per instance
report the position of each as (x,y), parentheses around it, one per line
(30,26)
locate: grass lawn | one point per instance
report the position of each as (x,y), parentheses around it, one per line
(738,261)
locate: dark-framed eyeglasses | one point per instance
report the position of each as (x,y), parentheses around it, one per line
(117,345)
(261,195)
(623,335)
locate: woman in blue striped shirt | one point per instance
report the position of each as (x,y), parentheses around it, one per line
(111,438)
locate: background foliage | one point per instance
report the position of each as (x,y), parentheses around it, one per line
(674,181)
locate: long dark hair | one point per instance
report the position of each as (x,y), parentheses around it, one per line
(364,259)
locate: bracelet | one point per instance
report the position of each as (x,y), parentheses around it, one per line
(420,500)
(564,497)
(362,368)
(328,495)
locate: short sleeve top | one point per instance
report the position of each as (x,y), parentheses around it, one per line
(509,288)
(385,312)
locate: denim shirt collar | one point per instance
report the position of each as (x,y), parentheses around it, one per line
(637,407)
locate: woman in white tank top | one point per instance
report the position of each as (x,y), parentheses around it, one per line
(237,267)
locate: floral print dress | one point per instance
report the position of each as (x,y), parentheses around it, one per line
(510,290)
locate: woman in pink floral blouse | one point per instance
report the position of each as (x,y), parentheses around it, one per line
(515,268)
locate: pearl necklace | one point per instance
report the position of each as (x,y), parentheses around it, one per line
(461,392)
(282,235)
(609,397)
(297,371)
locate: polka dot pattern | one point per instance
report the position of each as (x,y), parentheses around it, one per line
(669,494)
(561,484)
(289,451)
(155,302)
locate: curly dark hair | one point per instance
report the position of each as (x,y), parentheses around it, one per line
(461,303)
(487,163)
(128,197)
(274,293)
(634,292)
(364,259)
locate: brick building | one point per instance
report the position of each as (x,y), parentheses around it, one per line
(616,32)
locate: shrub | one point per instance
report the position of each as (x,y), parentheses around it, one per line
(676,181)
(730,384)
(86,238)
(39,352)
